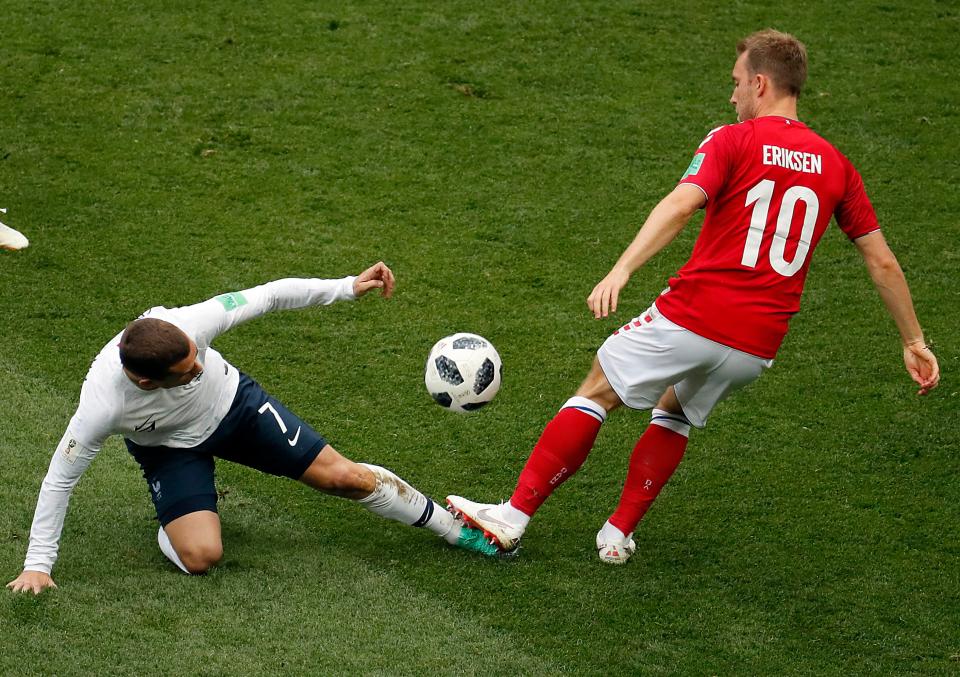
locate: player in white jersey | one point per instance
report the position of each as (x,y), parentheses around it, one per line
(178,404)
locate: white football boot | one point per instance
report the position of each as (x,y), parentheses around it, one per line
(12,239)
(613,550)
(489,519)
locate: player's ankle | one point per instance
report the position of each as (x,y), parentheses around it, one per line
(514,516)
(612,534)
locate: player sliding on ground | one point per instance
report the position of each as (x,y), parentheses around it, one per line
(770,186)
(178,404)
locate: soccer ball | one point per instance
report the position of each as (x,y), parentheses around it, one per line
(463,372)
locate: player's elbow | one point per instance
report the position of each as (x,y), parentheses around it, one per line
(877,255)
(882,264)
(57,484)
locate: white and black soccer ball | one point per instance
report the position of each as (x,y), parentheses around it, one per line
(463,372)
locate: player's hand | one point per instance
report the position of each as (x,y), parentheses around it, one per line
(377,276)
(603,299)
(922,366)
(31,581)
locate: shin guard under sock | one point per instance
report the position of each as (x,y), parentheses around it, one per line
(654,459)
(563,447)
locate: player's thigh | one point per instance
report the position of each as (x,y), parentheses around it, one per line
(180,481)
(596,387)
(333,473)
(642,359)
(669,402)
(700,392)
(270,437)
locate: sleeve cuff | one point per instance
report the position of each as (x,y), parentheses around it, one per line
(346,290)
(696,185)
(869,232)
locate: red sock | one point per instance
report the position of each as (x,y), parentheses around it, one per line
(656,456)
(561,450)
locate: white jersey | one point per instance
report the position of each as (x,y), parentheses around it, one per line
(185,416)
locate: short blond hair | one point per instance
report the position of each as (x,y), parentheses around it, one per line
(779,56)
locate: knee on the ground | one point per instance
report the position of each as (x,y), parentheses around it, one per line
(199,558)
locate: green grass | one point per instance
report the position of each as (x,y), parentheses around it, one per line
(499,156)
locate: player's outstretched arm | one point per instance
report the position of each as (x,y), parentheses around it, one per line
(891,284)
(68,463)
(377,276)
(31,581)
(210,318)
(664,223)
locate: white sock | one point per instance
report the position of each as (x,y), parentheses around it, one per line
(678,423)
(396,500)
(611,534)
(513,516)
(166,547)
(587,406)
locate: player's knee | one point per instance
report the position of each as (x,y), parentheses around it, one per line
(199,558)
(349,478)
(340,476)
(598,389)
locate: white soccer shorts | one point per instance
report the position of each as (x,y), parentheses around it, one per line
(650,353)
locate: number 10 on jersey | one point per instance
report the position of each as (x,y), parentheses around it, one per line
(760,196)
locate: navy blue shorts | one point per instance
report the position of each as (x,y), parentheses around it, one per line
(258,432)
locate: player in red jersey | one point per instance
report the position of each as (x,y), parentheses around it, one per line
(770,186)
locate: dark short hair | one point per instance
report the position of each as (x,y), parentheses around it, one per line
(149,347)
(779,56)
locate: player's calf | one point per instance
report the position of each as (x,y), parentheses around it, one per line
(654,459)
(394,499)
(382,492)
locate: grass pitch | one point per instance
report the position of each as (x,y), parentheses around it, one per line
(499,158)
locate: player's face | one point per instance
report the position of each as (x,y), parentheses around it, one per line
(184,371)
(744,97)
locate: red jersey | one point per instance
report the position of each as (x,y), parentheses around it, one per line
(772,185)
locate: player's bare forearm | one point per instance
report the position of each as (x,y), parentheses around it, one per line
(891,284)
(892,287)
(662,226)
(919,360)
